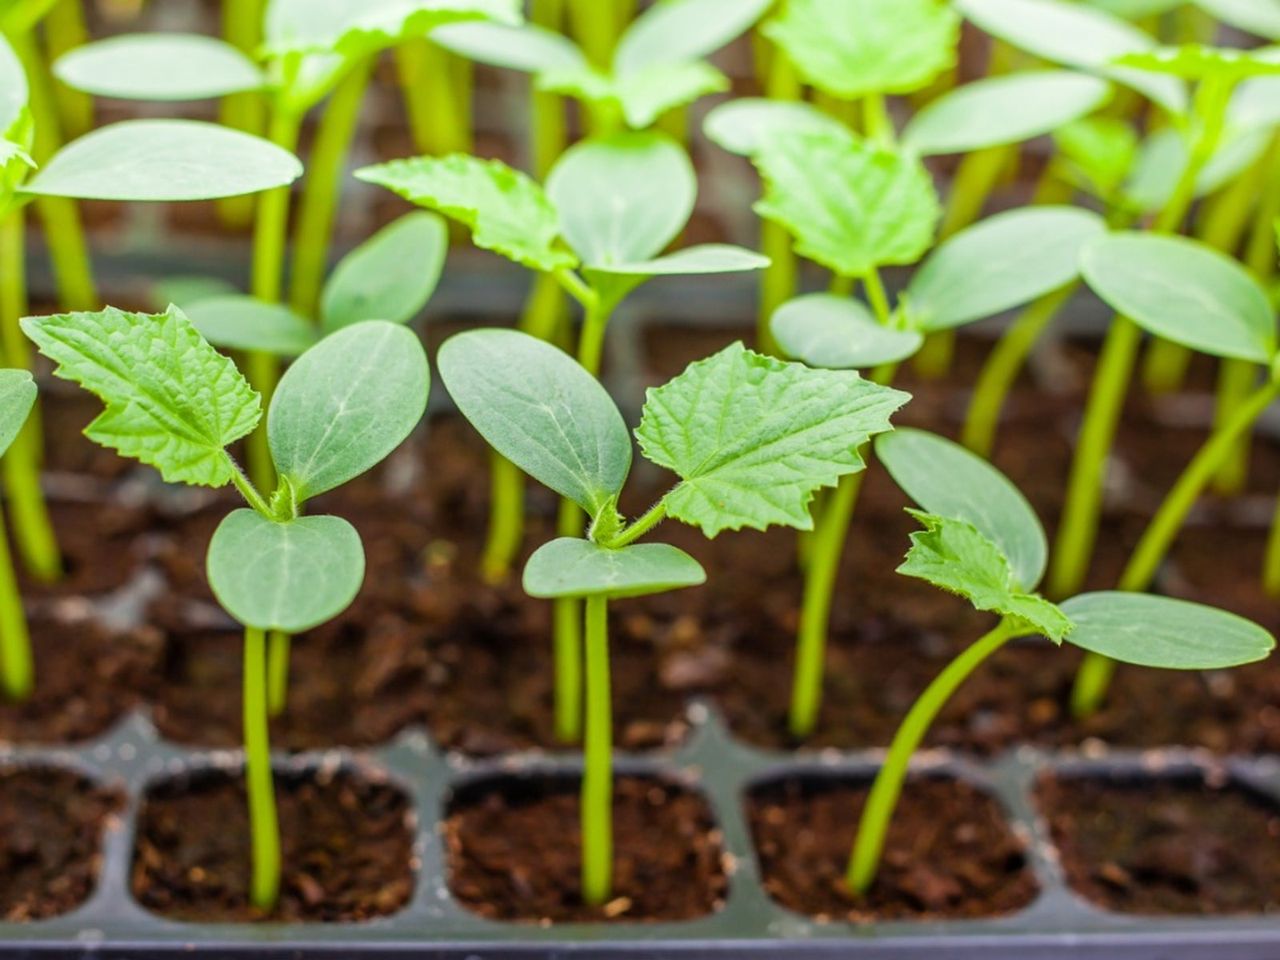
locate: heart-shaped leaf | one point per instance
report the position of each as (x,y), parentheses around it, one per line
(745,125)
(159,66)
(345,404)
(838,333)
(569,567)
(284,576)
(240,322)
(17,397)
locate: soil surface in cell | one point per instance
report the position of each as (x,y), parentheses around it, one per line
(1166,847)
(345,846)
(51,825)
(514,852)
(949,853)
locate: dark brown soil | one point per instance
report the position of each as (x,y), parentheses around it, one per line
(949,852)
(66,411)
(102,545)
(86,678)
(51,824)
(346,848)
(514,852)
(1167,846)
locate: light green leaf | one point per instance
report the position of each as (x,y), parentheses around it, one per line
(752,438)
(390,276)
(345,404)
(240,322)
(1261,17)
(705,258)
(357,27)
(284,576)
(642,96)
(1001,262)
(568,567)
(1164,156)
(838,333)
(622,198)
(159,66)
(1136,9)
(506,211)
(13,86)
(947,480)
(1099,153)
(167,160)
(1163,632)
(851,207)
(952,554)
(528,48)
(17,397)
(1255,103)
(1076,36)
(681,31)
(542,411)
(743,126)
(1183,290)
(850,48)
(172,401)
(1004,110)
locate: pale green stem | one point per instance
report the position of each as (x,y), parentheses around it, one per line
(264,830)
(242,28)
(597,771)
(64,30)
(17,673)
(778,280)
(437,102)
(277,672)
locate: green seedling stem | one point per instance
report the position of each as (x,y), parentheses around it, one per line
(437,94)
(17,672)
(778,281)
(597,771)
(242,28)
(264,828)
(64,30)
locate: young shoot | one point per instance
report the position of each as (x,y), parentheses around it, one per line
(982,541)
(750,437)
(175,403)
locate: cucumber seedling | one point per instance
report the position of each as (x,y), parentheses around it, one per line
(175,403)
(982,541)
(750,437)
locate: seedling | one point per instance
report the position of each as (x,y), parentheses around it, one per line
(609,209)
(982,541)
(176,404)
(751,439)
(17,676)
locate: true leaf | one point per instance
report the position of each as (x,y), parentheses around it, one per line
(1162,632)
(569,567)
(851,48)
(528,47)
(1099,153)
(172,401)
(948,481)
(164,160)
(541,410)
(622,198)
(952,554)
(1261,17)
(752,438)
(839,333)
(851,206)
(680,31)
(506,211)
(159,66)
(390,276)
(1001,262)
(1183,290)
(240,322)
(1004,110)
(345,404)
(284,576)
(17,397)
(745,125)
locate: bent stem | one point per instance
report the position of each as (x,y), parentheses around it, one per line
(277,672)
(597,771)
(878,811)
(17,673)
(264,830)
(1094,675)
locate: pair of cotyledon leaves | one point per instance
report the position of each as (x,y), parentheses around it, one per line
(750,437)
(982,541)
(174,402)
(611,205)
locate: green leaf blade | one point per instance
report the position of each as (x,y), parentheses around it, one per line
(745,125)
(681,31)
(241,322)
(570,567)
(17,397)
(838,333)
(528,48)
(160,67)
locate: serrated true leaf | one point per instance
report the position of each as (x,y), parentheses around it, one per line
(851,206)
(744,125)
(851,48)
(172,401)
(159,66)
(506,211)
(570,567)
(838,333)
(953,555)
(17,397)
(752,438)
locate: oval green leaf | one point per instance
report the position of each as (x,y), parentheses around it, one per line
(241,322)
(1261,17)
(1164,156)
(745,125)
(159,66)
(284,576)
(702,259)
(13,86)
(1185,291)
(838,333)
(1163,632)
(345,404)
(569,567)
(390,276)
(1004,110)
(528,48)
(17,397)
(542,411)
(999,263)
(947,480)
(164,160)
(678,31)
